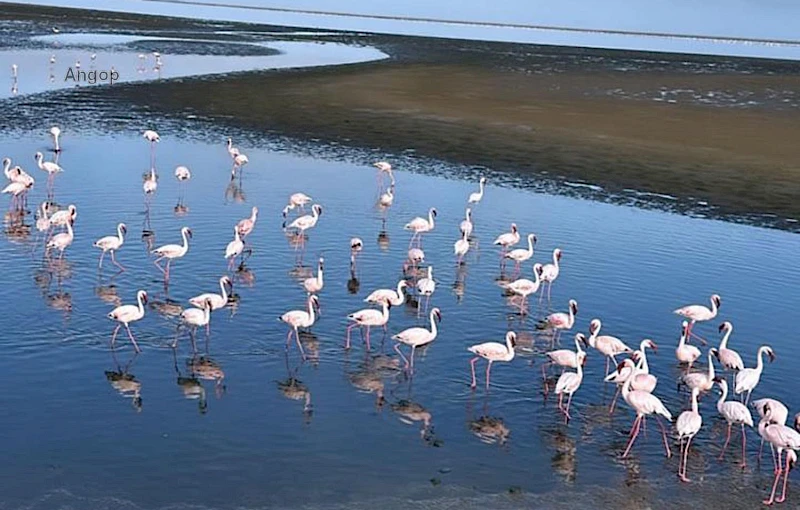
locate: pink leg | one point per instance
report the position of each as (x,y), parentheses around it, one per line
(608,361)
(289,338)
(785,480)
(413,349)
(114,336)
(727,440)
(158,265)
(567,417)
(114,260)
(614,401)
(685,460)
(368,346)
(634,432)
(488,373)
(664,436)
(100,264)
(472,365)
(397,348)
(299,345)
(744,448)
(349,328)
(774,485)
(133,340)
(166,271)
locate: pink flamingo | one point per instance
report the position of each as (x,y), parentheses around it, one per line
(565,358)
(297,319)
(779,415)
(560,321)
(551,271)
(735,413)
(644,404)
(686,353)
(520,255)
(781,438)
(112,244)
(172,251)
(420,226)
(568,383)
(688,425)
(126,314)
(507,240)
(417,337)
(700,313)
(609,346)
(247,225)
(729,358)
(524,287)
(368,317)
(492,351)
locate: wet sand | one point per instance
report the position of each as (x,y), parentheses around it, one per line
(579,114)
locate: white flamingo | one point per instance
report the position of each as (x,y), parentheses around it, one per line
(217,300)
(735,413)
(296,200)
(641,378)
(565,358)
(17,190)
(383,168)
(461,247)
(234,248)
(368,318)
(568,383)
(476,197)
(62,241)
(394,298)
(7,168)
(466,224)
(491,352)
(314,285)
(356,245)
(747,378)
(47,166)
(421,225)
(508,239)
(183,174)
(196,318)
(112,244)
(61,218)
(427,286)
(551,271)
(700,313)
(232,151)
(17,174)
(609,346)
(246,225)
(520,255)
(687,426)
(560,321)
(780,438)
(702,380)
(415,257)
(306,222)
(43,221)
(172,251)
(417,337)
(150,184)
(126,314)
(387,197)
(644,404)
(239,161)
(524,287)
(55,132)
(152,137)
(779,415)
(297,319)
(686,353)
(729,358)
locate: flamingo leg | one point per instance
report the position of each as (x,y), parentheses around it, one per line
(413,350)
(608,361)
(685,460)
(159,265)
(775,484)
(349,328)
(100,264)
(567,417)
(488,373)
(744,448)
(114,335)
(114,260)
(368,328)
(299,345)
(472,365)
(727,440)
(614,400)
(782,498)
(133,340)
(634,432)
(289,338)
(402,356)
(664,436)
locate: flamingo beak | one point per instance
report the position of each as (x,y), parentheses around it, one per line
(721,327)
(620,366)
(771,356)
(654,347)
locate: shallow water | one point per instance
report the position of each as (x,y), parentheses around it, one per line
(245,443)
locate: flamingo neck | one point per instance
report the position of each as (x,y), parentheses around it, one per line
(723,396)
(714,307)
(69,231)
(430,219)
(253,216)
(468,215)
(724,343)
(119,234)
(643,366)
(694,402)
(433,326)
(682,341)
(626,386)
(760,364)
(400,290)
(223,290)
(430,272)
(509,346)
(141,304)
(536,280)
(235,235)
(311,309)
(185,240)
(710,366)
(571,317)
(319,275)
(480,185)
(385,312)
(6,167)
(530,245)
(580,370)
(555,260)
(578,346)
(207,312)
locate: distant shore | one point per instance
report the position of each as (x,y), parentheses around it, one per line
(527,109)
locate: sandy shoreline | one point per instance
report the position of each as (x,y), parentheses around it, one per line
(532,110)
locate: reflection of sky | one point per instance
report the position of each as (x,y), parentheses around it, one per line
(742,18)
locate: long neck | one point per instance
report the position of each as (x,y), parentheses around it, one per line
(69,231)
(626,387)
(207,312)
(643,366)
(311,309)
(141,304)
(536,278)
(430,272)
(253,216)
(430,218)
(480,185)
(571,316)
(580,370)
(723,396)
(710,366)
(235,235)
(694,402)
(319,274)
(6,167)
(578,347)
(223,290)
(682,341)
(119,234)
(555,259)
(385,310)
(467,215)
(56,140)
(713,307)
(433,325)
(185,240)
(724,343)
(760,364)
(530,244)
(400,290)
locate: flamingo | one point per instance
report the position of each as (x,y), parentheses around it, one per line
(427,286)
(152,137)
(234,248)
(296,200)
(297,319)
(14,71)
(524,287)
(217,300)
(491,352)
(383,168)
(568,383)
(239,161)
(779,415)
(702,380)
(61,218)
(780,437)
(62,241)
(183,174)
(415,257)
(729,358)
(47,166)
(565,358)
(748,378)
(421,225)
(232,151)
(508,239)
(55,132)
(560,321)
(16,190)
(356,245)
(17,174)
(126,314)
(43,222)
(688,425)
(609,346)
(461,247)
(196,318)
(700,313)
(520,254)
(684,352)
(644,404)
(387,198)
(417,337)
(394,298)
(642,379)
(551,271)
(111,244)
(315,284)
(476,197)
(7,167)
(172,251)
(368,317)
(246,225)
(735,413)
(307,221)
(466,224)
(150,183)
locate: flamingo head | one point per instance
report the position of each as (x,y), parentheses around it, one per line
(511,338)
(538,268)
(73,211)
(532,238)
(725,326)
(6,161)
(582,358)
(143,296)
(207,303)
(557,253)
(38,156)
(650,345)
(227,281)
(714,352)
(286,210)
(356,244)
(433,212)
(594,326)
(123,228)
(716,300)
(483,180)
(573,306)
(402,284)
(791,459)
(581,338)
(684,328)
(314,300)
(627,362)
(318,209)
(770,353)
(437,313)
(188,231)
(514,228)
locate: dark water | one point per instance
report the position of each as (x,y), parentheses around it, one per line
(247,442)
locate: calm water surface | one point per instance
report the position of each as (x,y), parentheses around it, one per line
(247,442)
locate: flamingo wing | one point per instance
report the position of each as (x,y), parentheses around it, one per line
(489,350)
